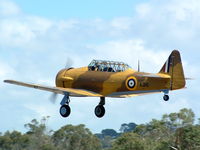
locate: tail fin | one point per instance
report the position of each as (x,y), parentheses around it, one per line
(174,68)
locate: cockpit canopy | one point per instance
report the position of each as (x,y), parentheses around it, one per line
(107,66)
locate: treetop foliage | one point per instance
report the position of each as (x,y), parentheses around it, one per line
(174,131)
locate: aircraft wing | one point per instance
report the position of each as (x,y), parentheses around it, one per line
(58,90)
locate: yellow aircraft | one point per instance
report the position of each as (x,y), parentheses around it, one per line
(113,79)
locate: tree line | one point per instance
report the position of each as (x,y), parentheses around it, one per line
(174,131)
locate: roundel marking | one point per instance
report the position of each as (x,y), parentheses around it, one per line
(131,83)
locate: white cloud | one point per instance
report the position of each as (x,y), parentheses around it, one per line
(46,81)
(22,32)
(184,10)
(67,24)
(143,10)
(171,106)
(130,51)
(42,110)
(122,23)
(5,70)
(15,33)
(8,8)
(154,23)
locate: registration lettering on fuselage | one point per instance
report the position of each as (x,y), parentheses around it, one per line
(144,84)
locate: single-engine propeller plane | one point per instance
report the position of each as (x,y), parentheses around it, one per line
(112,79)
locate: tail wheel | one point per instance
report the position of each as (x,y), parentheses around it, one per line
(99,111)
(166,97)
(65,110)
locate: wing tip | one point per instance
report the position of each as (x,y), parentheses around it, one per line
(7,81)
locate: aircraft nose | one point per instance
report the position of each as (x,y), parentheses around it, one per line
(58,77)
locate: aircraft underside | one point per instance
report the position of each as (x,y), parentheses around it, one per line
(99,110)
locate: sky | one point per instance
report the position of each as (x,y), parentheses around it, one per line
(37,37)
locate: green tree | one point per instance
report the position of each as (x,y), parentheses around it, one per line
(128,141)
(75,138)
(109,132)
(106,137)
(106,142)
(162,145)
(156,135)
(160,134)
(14,141)
(177,120)
(174,130)
(127,127)
(188,138)
(186,117)
(39,135)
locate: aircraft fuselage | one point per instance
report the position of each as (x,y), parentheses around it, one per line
(111,83)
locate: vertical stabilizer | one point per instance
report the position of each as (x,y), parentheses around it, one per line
(173,67)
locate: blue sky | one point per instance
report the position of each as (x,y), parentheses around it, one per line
(37,37)
(63,9)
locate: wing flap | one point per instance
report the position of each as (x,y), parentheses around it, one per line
(58,90)
(134,93)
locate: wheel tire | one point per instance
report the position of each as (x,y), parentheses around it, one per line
(65,110)
(166,97)
(99,111)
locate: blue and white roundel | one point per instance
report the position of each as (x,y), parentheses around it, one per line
(131,83)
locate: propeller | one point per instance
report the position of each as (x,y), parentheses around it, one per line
(54,96)
(69,63)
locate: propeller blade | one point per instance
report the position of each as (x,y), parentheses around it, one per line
(53,97)
(69,63)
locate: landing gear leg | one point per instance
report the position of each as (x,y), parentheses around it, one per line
(65,110)
(99,109)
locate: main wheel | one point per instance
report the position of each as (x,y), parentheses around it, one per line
(99,111)
(166,97)
(65,110)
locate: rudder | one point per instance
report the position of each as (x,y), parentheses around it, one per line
(173,67)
